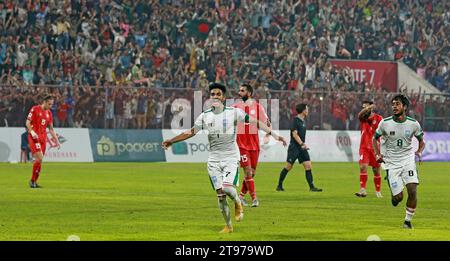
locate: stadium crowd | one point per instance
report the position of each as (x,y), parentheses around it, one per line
(151,47)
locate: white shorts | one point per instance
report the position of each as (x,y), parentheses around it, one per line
(225,172)
(399,177)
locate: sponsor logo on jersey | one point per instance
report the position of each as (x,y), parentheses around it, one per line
(392,133)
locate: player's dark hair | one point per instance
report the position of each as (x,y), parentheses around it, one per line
(48,97)
(368,102)
(300,107)
(401,98)
(248,87)
(216,85)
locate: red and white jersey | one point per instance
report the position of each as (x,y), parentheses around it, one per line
(368,129)
(247,135)
(40,119)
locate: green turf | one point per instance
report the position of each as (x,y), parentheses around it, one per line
(166,201)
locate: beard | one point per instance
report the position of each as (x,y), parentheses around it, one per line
(245,98)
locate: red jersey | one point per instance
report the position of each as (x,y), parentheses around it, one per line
(247,135)
(40,119)
(368,129)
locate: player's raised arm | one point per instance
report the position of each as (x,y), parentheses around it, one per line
(180,137)
(365,111)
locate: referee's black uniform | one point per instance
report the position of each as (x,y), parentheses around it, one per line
(298,152)
(295,151)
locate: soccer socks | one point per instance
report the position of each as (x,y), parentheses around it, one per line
(409,214)
(283,175)
(223,206)
(244,189)
(251,187)
(363,180)
(309,178)
(36,171)
(377,181)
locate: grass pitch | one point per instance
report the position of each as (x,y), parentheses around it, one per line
(167,201)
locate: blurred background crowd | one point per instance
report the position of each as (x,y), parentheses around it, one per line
(120,64)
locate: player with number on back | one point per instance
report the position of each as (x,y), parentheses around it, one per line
(248,141)
(397,132)
(39,118)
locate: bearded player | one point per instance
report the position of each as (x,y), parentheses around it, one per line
(368,121)
(39,118)
(248,141)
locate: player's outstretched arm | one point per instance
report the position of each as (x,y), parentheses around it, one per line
(183,136)
(267,129)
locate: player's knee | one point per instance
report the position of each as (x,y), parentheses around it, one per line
(398,197)
(362,168)
(288,167)
(248,171)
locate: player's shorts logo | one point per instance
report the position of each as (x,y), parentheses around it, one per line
(394,184)
(392,133)
(105,147)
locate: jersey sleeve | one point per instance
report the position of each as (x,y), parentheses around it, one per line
(199,123)
(418,132)
(241,116)
(31,115)
(380,130)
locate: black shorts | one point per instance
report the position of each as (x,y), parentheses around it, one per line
(295,153)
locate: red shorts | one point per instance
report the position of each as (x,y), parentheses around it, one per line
(367,156)
(37,146)
(249,158)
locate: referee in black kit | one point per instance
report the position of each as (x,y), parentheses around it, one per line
(298,149)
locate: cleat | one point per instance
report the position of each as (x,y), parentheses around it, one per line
(243,202)
(255,203)
(407,224)
(238,212)
(378,194)
(34,184)
(226,229)
(314,189)
(362,193)
(394,203)
(280,188)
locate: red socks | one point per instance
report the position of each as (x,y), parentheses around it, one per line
(377,181)
(36,171)
(248,184)
(363,179)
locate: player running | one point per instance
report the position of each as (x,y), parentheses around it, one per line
(39,118)
(397,132)
(248,141)
(223,160)
(368,122)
